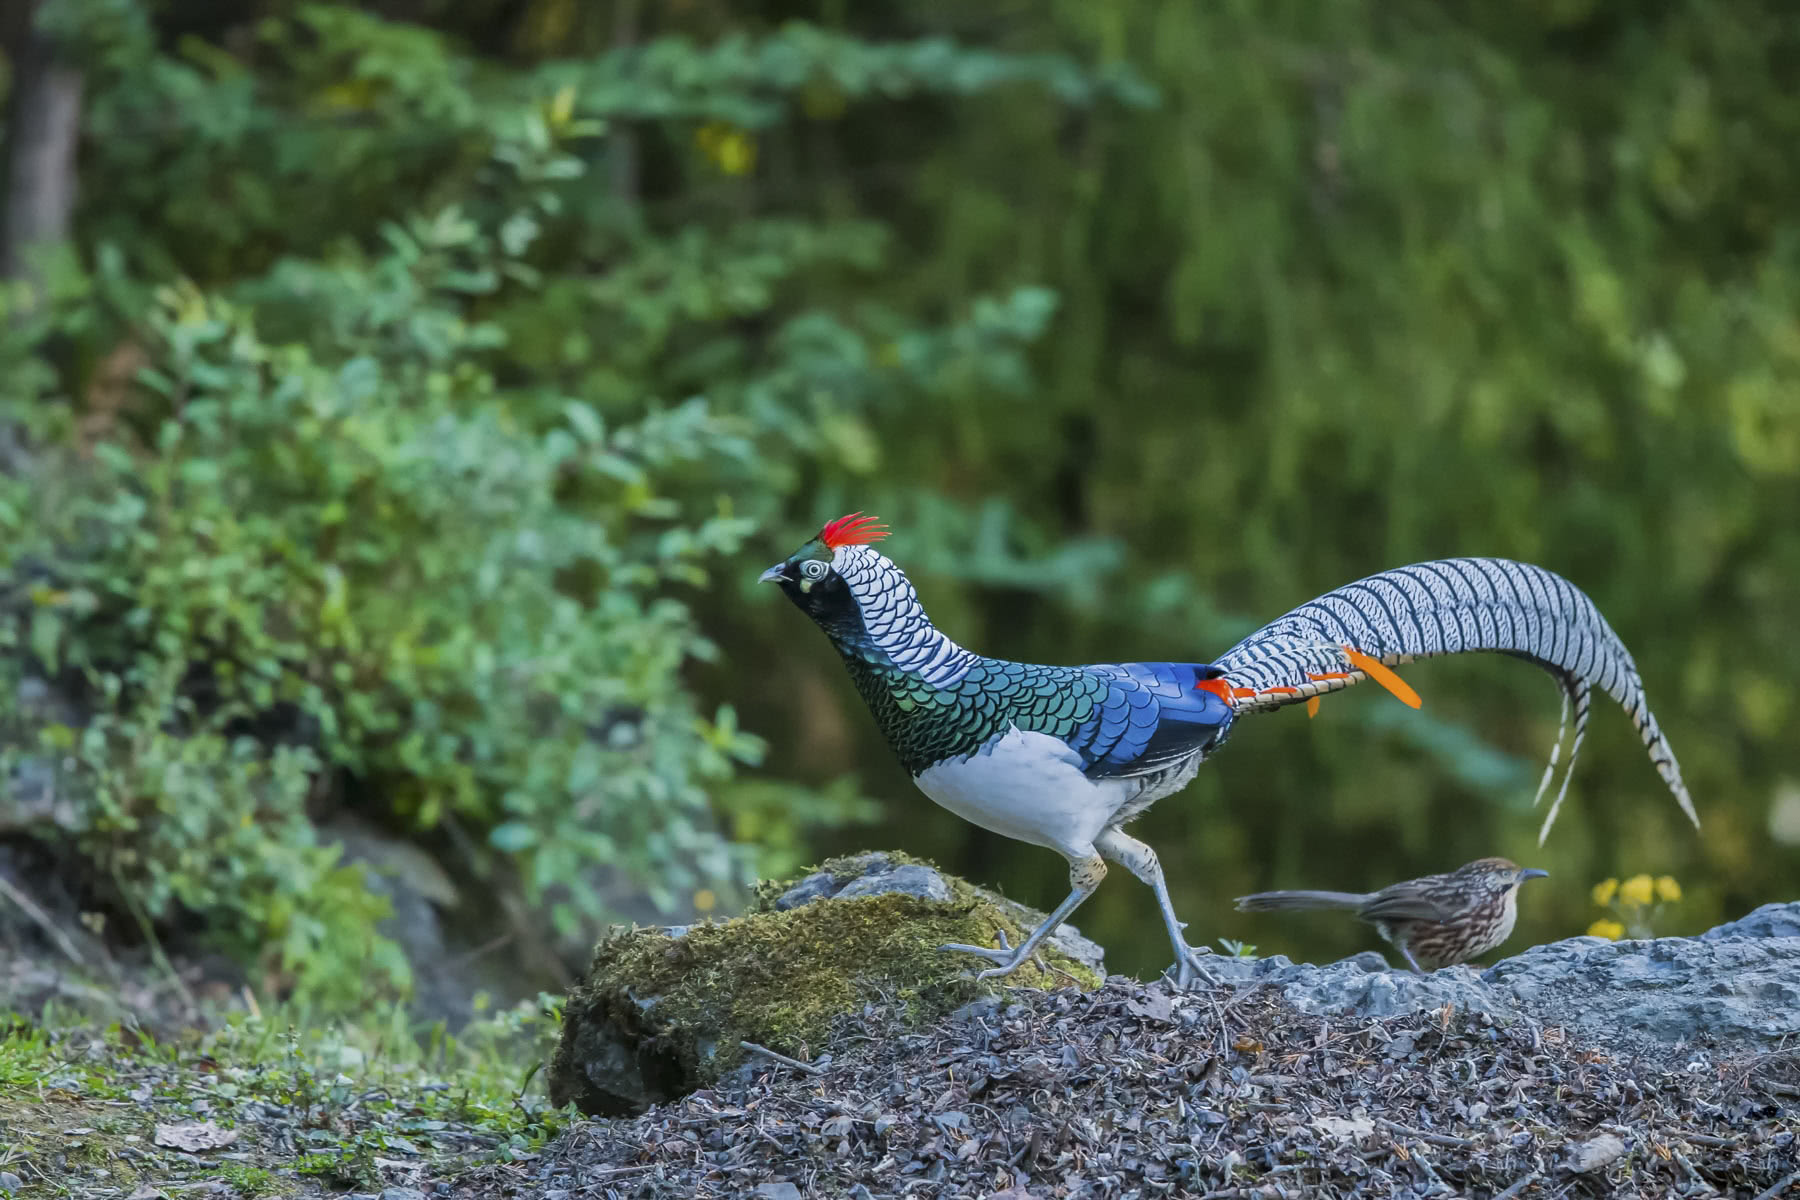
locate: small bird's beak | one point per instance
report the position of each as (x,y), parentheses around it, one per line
(1532,873)
(773,574)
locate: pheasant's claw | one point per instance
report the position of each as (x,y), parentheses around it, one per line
(1009,959)
(1188,970)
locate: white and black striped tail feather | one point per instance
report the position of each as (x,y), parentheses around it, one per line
(1453,606)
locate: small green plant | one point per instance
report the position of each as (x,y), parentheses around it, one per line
(251,1181)
(1237,949)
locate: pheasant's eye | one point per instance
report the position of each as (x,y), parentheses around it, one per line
(814,569)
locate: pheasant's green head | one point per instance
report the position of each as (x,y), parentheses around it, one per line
(813,576)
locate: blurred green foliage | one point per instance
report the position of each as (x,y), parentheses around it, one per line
(421,394)
(1372,283)
(379,448)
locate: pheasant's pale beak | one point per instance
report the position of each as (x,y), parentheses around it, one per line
(773,574)
(1532,873)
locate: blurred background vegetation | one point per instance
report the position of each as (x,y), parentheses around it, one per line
(400,401)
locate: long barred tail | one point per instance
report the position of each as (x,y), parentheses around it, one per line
(1300,901)
(1451,606)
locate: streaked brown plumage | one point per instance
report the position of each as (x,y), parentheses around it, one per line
(1435,921)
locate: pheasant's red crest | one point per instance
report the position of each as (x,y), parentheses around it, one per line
(851,530)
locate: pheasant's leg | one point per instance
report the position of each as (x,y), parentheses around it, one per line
(1140,860)
(1410,960)
(1085,875)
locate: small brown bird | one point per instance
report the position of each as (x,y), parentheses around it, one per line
(1436,921)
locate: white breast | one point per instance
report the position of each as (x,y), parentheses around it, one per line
(1029,787)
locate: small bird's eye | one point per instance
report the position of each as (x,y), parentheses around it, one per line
(814,569)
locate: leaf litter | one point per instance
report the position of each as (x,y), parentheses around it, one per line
(1138,1091)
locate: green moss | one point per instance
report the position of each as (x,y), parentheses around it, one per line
(668,1013)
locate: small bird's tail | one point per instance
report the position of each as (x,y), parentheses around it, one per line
(1292,901)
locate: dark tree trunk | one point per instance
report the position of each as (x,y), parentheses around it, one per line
(623,164)
(42,125)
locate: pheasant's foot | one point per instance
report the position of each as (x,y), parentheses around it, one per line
(1188,970)
(1009,959)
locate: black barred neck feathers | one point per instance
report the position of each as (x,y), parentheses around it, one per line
(893,624)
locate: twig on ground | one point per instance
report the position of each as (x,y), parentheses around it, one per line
(1437,1181)
(1687,1166)
(1781,1185)
(42,919)
(1519,1185)
(1435,1139)
(1707,1139)
(782,1058)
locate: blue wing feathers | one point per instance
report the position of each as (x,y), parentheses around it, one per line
(1153,715)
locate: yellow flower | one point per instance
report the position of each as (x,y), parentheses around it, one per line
(705,901)
(1667,888)
(1604,891)
(1639,890)
(1610,930)
(731,150)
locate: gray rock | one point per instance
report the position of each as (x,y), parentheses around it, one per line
(909,880)
(854,869)
(400,1193)
(1351,987)
(41,796)
(1368,960)
(10,1182)
(1736,987)
(776,1191)
(1731,991)
(39,799)
(818,886)
(42,702)
(1771,920)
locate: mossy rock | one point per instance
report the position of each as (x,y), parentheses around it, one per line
(663,1011)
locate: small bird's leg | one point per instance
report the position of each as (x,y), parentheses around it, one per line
(1140,860)
(1085,875)
(1392,935)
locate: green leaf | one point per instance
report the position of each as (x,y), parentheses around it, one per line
(512,837)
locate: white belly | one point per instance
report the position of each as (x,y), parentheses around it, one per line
(1029,787)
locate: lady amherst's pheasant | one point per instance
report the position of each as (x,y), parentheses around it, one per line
(1064,756)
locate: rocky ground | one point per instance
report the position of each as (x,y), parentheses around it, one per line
(1733,988)
(1129,1090)
(1582,1068)
(1134,1091)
